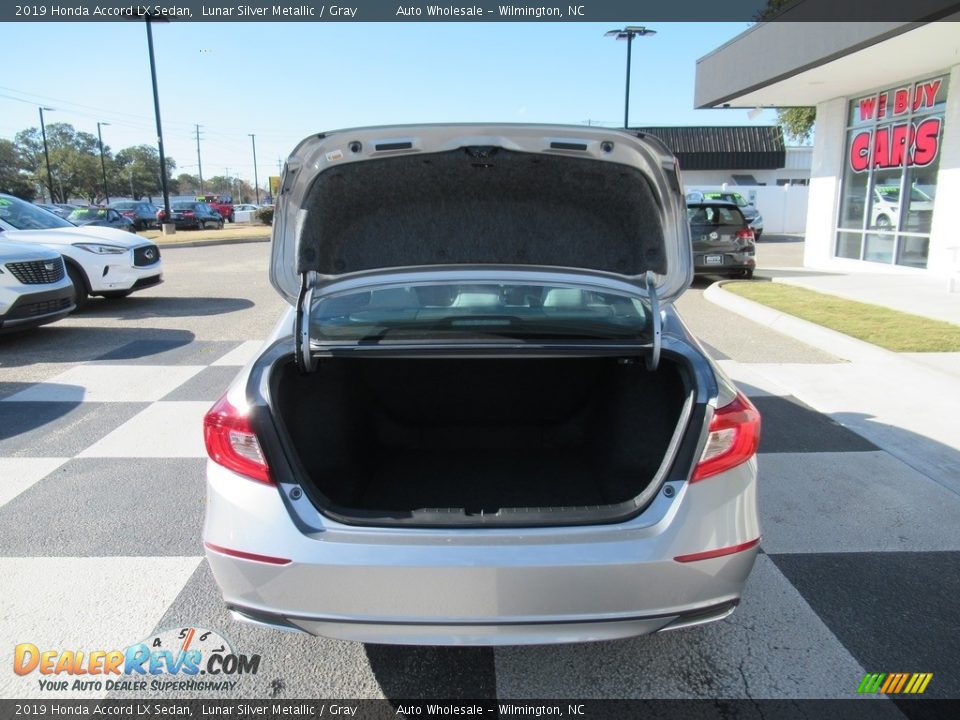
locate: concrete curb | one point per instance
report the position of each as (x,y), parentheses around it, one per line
(831,341)
(204,243)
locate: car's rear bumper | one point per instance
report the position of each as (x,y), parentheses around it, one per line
(483,586)
(731,261)
(522,633)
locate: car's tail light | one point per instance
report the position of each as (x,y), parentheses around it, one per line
(745,234)
(231,442)
(733,438)
(188,213)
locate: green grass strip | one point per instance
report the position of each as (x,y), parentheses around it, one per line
(890,329)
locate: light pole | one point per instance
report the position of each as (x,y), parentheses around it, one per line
(156,110)
(629,33)
(256,182)
(46,152)
(199,164)
(103,165)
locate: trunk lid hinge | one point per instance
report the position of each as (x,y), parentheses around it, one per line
(306,361)
(653,359)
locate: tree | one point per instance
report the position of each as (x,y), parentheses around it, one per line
(137,170)
(188,184)
(15,179)
(239,190)
(797,122)
(74,160)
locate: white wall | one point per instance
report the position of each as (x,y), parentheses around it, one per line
(695,178)
(944,258)
(784,207)
(825,174)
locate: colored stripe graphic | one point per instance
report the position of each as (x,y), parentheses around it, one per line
(894,683)
(871,682)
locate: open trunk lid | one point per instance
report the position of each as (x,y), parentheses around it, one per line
(601,200)
(367,202)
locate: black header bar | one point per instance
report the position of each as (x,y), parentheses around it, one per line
(613,11)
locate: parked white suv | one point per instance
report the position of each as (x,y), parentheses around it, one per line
(34,287)
(99,261)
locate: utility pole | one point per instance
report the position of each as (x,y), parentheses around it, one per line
(199,165)
(156,109)
(256,182)
(103,165)
(46,153)
(226,174)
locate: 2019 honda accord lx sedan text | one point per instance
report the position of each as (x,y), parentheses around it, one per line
(480,420)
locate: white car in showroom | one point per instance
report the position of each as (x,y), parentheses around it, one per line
(99,261)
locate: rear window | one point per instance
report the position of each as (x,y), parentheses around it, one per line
(715,215)
(468,311)
(737,198)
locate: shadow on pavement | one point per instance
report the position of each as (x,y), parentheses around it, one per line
(413,673)
(15,421)
(138,308)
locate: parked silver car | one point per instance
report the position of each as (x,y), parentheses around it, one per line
(481,420)
(34,287)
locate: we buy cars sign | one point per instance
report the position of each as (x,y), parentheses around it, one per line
(914,142)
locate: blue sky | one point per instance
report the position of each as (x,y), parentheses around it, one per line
(283,81)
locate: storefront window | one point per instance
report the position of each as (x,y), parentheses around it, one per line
(848,244)
(891,163)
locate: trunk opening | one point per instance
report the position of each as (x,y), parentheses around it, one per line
(480,440)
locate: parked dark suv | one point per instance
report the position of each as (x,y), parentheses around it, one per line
(723,241)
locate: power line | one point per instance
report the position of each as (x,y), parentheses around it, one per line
(66,103)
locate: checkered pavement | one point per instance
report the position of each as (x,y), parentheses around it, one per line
(101,506)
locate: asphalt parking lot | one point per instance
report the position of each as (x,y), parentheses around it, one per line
(102,493)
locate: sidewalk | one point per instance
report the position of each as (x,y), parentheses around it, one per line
(903,402)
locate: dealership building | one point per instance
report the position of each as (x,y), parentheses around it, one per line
(884,189)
